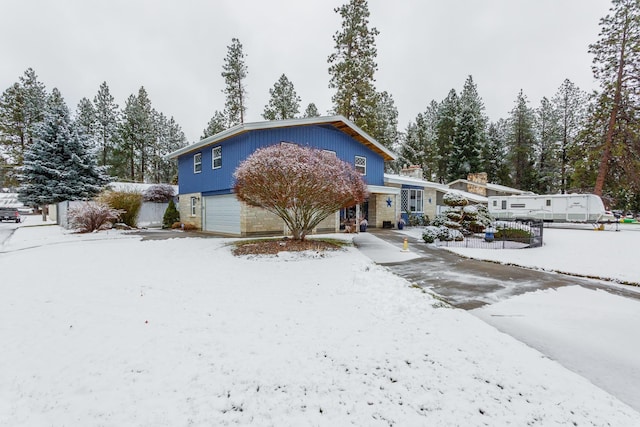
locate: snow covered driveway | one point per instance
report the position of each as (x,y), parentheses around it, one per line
(179,332)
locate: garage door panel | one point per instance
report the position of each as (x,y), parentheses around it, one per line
(222,214)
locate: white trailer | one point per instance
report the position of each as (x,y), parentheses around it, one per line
(550,208)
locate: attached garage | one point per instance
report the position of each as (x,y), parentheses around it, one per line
(222,214)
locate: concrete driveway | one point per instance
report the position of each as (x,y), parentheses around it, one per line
(465,283)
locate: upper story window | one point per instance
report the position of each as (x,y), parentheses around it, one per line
(361,164)
(216,157)
(197,163)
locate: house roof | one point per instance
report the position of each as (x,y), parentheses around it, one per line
(490,186)
(339,122)
(407,180)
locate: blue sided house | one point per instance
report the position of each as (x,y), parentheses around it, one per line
(206,168)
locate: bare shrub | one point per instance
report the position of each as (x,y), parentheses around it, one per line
(92,216)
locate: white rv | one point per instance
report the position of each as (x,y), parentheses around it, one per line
(550,208)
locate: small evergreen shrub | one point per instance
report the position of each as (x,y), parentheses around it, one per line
(439,220)
(92,216)
(513,233)
(158,193)
(128,202)
(171,215)
(430,234)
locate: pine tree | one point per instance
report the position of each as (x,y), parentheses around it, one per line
(168,137)
(284,102)
(352,66)
(520,143)
(234,72)
(86,119)
(569,102)
(217,124)
(547,136)
(136,132)
(384,127)
(311,111)
(446,126)
(107,125)
(470,135)
(22,108)
(494,154)
(616,65)
(59,165)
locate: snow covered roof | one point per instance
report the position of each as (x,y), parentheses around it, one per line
(407,180)
(490,186)
(134,186)
(339,122)
(9,200)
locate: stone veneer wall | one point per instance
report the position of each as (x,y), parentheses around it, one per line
(430,209)
(256,221)
(184,207)
(480,178)
(381,211)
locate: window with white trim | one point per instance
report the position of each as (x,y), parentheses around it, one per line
(197,163)
(216,157)
(194,204)
(329,153)
(361,164)
(412,201)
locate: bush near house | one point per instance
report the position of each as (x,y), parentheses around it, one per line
(171,215)
(128,202)
(92,216)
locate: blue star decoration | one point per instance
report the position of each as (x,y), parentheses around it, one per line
(389,202)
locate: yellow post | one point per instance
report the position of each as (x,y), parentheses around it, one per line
(405,245)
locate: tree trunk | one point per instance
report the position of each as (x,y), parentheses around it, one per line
(613,118)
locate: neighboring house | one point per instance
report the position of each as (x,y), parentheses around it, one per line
(205,174)
(477,183)
(421,197)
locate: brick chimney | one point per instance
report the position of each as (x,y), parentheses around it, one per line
(479,178)
(413,171)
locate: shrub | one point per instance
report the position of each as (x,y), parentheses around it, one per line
(158,193)
(171,215)
(513,233)
(439,220)
(416,220)
(430,234)
(128,202)
(92,216)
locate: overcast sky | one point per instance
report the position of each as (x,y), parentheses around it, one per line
(175,49)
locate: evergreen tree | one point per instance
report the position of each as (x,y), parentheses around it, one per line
(419,142)
(311,111)
(136,132)
(217,124)
(22,108)
(569,103)
(494,154)
(616,65)
(107,125)
(168,137)
(547,137)
(86,119)
(384,128)
(470,134)
(234,72)
(446,127)
(59,165)
(352,66)
(284,102)
(520,143)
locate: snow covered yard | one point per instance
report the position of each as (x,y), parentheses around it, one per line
(179,332)
(611,255)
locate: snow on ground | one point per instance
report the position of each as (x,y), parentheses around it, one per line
(582,251)
(179,332)
(592,331)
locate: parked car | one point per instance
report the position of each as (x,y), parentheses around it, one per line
(10,214)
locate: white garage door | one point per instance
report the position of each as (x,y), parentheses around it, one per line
(222,214)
